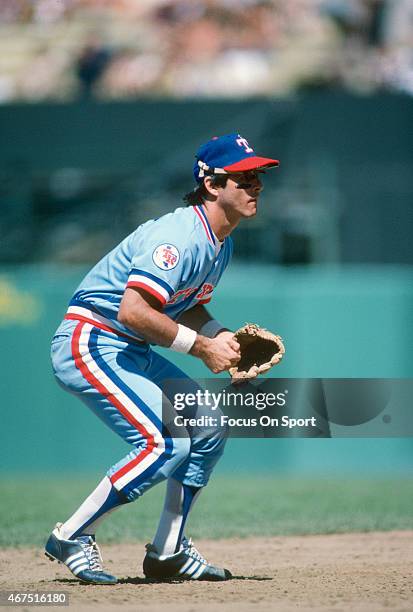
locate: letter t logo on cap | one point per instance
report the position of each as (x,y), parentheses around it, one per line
(243,142)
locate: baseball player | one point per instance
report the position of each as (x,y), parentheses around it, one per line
(151,290)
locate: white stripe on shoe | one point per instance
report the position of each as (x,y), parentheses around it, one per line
(198,572)
(193,569)
(186,565)
(74,557)
(78,562)
(76,571)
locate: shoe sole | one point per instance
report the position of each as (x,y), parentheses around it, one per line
(168,579)
(185,579)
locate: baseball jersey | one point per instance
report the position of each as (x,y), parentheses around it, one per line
(176,258)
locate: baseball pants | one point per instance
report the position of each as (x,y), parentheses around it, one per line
(122,382)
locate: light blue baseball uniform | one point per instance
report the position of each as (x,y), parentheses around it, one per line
(178,260)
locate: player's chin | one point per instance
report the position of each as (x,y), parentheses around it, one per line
(251,209)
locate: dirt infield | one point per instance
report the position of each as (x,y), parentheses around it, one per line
(369,571)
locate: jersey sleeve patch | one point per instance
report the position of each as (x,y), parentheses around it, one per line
(162,262)
(166,256)
(150,283)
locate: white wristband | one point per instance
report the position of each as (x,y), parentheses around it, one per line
(211,328)
(184,339)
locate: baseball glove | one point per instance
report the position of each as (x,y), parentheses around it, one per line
(260,351)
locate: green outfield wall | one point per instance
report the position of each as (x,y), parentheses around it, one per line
(343,192)
(336,322)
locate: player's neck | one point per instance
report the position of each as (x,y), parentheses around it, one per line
(220,224)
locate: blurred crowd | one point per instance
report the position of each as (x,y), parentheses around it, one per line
(116,49)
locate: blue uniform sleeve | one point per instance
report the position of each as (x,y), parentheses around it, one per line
(162,260)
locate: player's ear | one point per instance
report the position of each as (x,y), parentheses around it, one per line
(210,186)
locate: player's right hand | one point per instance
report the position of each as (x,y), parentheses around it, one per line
(219,354)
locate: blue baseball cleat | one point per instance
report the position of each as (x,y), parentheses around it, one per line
(82,557)
(187,564)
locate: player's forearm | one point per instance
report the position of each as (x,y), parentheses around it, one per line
(155,327)
(143,316)
(158,328)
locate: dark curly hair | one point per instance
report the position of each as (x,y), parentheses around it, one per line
(197,196)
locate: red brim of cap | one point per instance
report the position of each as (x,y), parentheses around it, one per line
(252,163)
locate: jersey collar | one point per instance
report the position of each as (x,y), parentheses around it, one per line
(200,212)
(212,239)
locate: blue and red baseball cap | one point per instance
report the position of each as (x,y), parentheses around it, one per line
(227,155)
